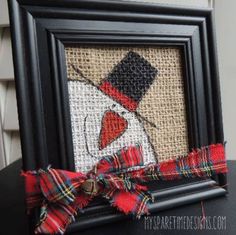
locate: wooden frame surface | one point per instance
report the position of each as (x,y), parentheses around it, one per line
(40,31)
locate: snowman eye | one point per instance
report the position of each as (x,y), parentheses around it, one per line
(123,112)
(113,106)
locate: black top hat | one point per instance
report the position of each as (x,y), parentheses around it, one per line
(129,80)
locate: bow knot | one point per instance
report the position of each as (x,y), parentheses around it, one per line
(63,193)
(90,187)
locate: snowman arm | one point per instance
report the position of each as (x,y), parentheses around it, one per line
(79,72)
(146,120)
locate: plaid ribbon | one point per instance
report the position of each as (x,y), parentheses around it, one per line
(61,194)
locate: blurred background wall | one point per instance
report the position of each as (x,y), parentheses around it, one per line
(225,19)
(226,38)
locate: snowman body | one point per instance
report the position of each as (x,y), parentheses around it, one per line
(89,106)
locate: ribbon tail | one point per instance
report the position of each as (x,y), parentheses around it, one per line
(34,197)
(135,201)
(55,218)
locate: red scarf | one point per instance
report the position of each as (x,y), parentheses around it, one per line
(61,194)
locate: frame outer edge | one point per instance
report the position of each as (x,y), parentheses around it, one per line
(25,118)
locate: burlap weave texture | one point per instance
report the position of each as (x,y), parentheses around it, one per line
(163,104)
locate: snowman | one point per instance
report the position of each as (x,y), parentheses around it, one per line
(104,118)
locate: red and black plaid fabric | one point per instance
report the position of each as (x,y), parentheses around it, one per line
(61,194)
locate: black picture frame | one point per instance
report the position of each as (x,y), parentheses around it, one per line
(40,30)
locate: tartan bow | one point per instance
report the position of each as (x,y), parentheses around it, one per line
(60,193)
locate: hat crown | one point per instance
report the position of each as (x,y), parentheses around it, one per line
(132,76)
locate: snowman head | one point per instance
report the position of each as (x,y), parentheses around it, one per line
(104,118)
(126,84)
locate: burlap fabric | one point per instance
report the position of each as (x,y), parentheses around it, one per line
(164,103)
